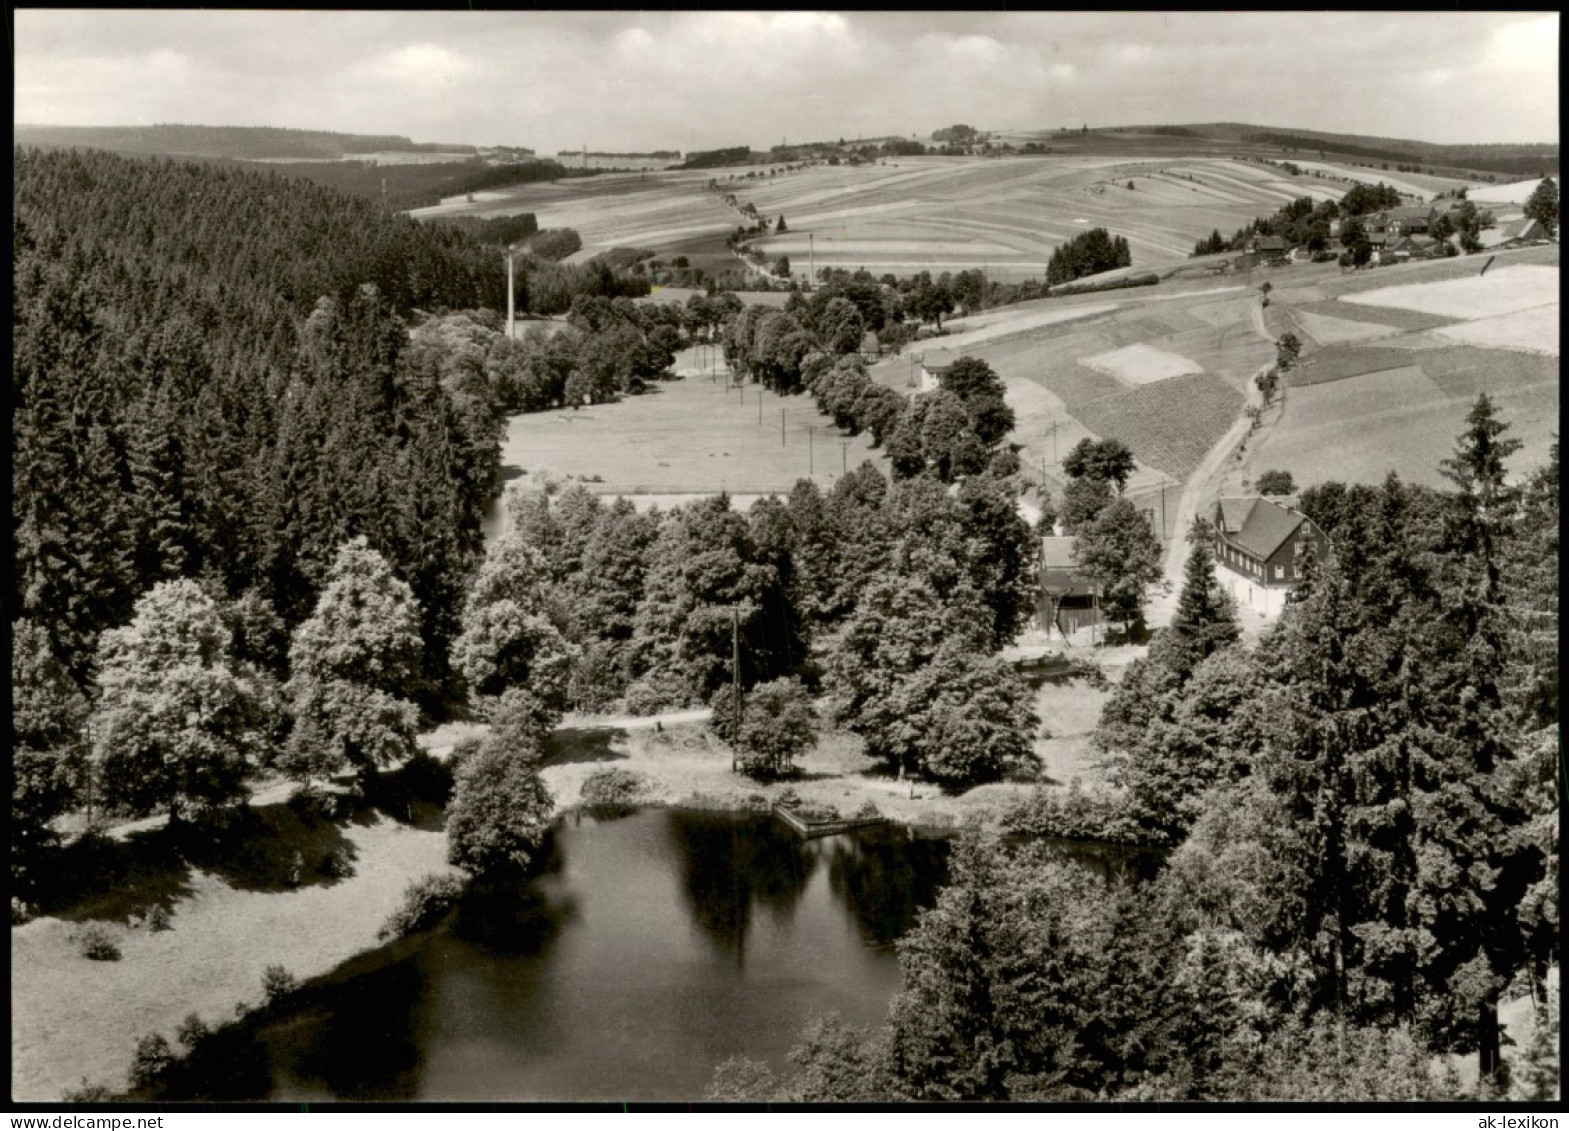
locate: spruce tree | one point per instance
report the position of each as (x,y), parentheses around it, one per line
(1206,618)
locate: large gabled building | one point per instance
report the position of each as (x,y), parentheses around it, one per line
(1259,543)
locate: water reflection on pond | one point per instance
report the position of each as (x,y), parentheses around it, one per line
(650,949)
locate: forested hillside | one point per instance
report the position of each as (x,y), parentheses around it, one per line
(211,379)
(239,142)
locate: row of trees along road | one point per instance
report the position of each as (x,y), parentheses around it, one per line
(1362,819)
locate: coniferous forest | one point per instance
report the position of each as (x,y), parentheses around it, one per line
(212,380)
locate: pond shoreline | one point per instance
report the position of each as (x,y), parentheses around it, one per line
(72,1017)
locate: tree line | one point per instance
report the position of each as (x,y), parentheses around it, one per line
(1088,253)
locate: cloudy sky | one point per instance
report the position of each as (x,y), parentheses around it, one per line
(647,80)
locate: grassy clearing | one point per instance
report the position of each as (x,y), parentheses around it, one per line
(1339,362)
(1503,290)
(71,1017)
(1533,331)
(1403,422)
(1170,425)
(686,436)
(1068,713)
(1329,331)
(1140,364)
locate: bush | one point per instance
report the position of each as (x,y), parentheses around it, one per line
(777,724)
(152,1059)
(499,813)
(867,811)
(89,1094)
(21,911)
(96,941)
(278,983)
(656,692)
(1076,815)
(338,865)
(462,751)
(614,788)
(812,811)
(192,1032)
(425,902)
(159,918)
(521,722)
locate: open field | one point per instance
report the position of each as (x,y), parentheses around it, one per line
(1359,315)
(1424,186)
(1328,330)
(1503,290)
(1535,331)
(661,211)
(1402,427)
(1170,425)
(1140,364)
(1338,362)
(1465,371)
(1516,192)
(684,438)
(1359,409)
(909,214)
(1191,333)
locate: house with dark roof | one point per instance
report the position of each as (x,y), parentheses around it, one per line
(1267,245)
(1259,543)
(1067,601)
(1407,221)
(934,363)
(1524,231)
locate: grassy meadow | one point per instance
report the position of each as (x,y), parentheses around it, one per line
(683,439)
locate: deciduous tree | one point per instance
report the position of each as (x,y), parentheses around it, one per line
(176,724)
(1121,554)
(354,666)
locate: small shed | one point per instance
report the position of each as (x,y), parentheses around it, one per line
(1068,601)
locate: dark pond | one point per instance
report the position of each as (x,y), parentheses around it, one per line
(651,948)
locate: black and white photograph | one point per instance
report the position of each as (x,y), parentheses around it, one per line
(774,558)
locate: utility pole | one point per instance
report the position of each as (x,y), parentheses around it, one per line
(1162,508)
(735,684)
(781,428)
